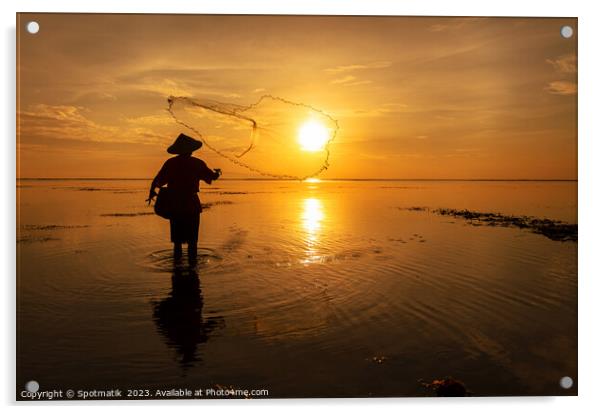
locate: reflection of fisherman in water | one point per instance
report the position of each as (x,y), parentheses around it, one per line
(179,317)
(182,174)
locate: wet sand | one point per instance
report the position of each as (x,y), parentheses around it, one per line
(326,289)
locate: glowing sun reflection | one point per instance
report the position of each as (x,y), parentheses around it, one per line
(311,218)
(312,215)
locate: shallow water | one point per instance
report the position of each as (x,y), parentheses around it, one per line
(305,289)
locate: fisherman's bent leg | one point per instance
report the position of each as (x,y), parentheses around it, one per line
(177,251)
(192,251)
(194,236)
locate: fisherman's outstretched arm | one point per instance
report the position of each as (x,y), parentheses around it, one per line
(208,175)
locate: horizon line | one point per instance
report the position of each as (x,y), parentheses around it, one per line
(292,179)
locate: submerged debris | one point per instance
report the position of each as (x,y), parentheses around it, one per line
(115,190)
(553,229)
(215,203)
(448,387)
(140,213)
(52,226)
(31,239)
(379,359)
(204,206)
(417,208)
(89,189)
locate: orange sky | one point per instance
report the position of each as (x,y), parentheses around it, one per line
(414,97)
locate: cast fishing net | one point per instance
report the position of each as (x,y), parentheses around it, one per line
(273,137)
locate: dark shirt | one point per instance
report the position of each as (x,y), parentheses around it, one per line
(183,173)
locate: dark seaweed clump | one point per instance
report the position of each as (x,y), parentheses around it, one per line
(109,189)
(204,206)
(552,229)
(31,239)
(417,208)
(52,226)
(448,387)
(141,213)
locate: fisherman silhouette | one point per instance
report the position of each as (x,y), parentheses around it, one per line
(179,316)
(182,174)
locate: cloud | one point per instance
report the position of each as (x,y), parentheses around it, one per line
(362,82)
(60,121)
(164,87)
(57,112)
(69,123)
(561,87)
(348,68)
(438,27)
(345,79)
(455,23)
(350,81)
(152,120)
(564,63)
(381,110)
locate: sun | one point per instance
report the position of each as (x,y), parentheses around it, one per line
(313,136)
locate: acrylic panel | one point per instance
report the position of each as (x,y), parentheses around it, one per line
(276,206)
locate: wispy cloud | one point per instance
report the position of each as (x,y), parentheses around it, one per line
(566,67)
(350,81)
(65,122)
(452,24)
(465,153)
(361,82)
(378,111)
(564,63)
(348,68)
(162,86)
(60,121)
(152,120)
(344,79)
(561,87)
(438,27)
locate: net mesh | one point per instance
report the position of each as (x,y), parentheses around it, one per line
(273,137)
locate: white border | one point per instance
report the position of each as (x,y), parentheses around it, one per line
(590,134)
